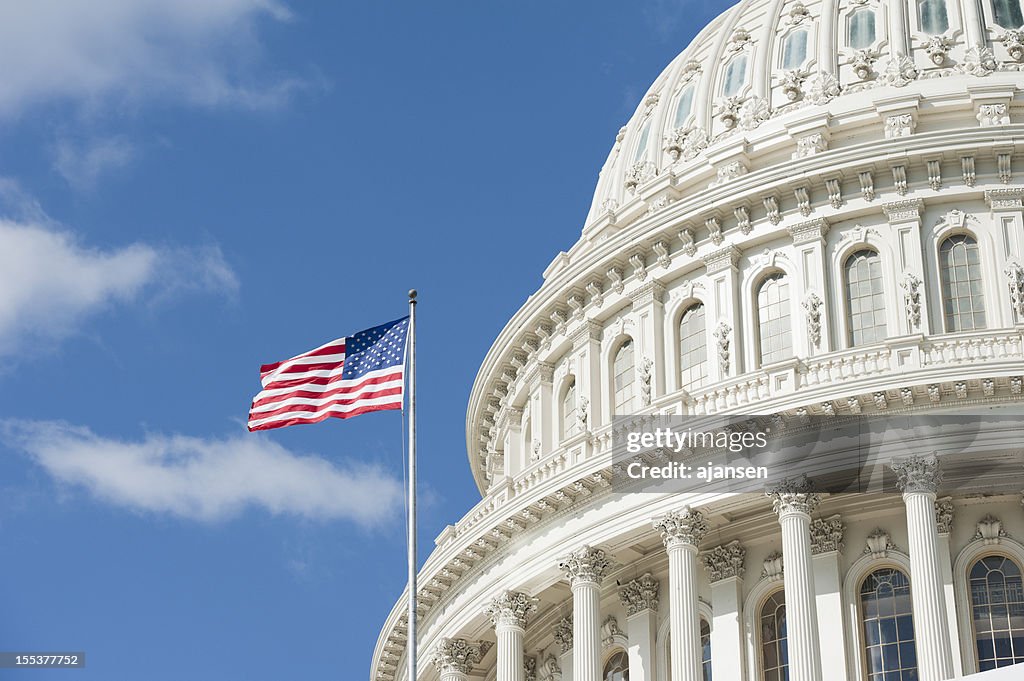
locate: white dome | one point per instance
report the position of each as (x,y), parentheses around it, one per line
(834,225)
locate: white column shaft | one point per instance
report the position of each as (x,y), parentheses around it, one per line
(931,631)
(510,652)
(684,616)
(453,676)
(801,610)
(946,567)
(586,631)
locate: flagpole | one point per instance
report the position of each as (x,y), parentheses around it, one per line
(411,651)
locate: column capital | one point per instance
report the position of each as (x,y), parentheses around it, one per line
(563,633)
(724,562)
(827,535)
(459,655)
(915,474)
(511,608)
(794,495)
(585,564)
(639,594)
(685,527)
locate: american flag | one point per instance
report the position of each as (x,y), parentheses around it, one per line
(346,377)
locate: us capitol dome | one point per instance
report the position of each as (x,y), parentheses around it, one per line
(813,212)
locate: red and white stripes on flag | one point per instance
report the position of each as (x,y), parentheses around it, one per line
(346,377)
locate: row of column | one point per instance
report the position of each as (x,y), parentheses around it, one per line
(682,531)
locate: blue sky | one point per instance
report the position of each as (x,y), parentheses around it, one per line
(190,188)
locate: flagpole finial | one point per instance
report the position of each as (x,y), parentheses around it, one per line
(412,295)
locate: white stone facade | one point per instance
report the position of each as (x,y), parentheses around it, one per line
(890,166)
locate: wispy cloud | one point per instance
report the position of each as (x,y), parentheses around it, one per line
(82,164)
(50,282)
(207,479)
(107,53)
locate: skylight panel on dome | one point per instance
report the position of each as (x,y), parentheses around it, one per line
(684,104)
(735,75)
(862,29)
(794,50)
(934,16)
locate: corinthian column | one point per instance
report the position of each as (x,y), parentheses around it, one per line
(454,657)
(794,502)
(918,478)
(509,612)
(585,568)
(681,531)
(640,599)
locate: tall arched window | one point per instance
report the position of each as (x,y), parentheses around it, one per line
(773,319)
(684,104)
(963,302)
(641,145)
(1008,13)
(623,377)
(693,350)
(570,422)
(528,441)
(933,15)
(705,648)
(865,299)
(735,75)
(997,610)
(862,29)
(888,626)
(774,647)
(616,668)
(794,50)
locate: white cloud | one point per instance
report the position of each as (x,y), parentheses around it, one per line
(103,52)
(50,282)
(82,164)
(204,479)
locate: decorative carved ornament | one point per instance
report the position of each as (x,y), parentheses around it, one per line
(724,562)
(563,633)
(511,608)
(639,594)
(879,544)
(827,535)
(459,655)
(685,527)
(773,567)
(916,474)
(990,530)
(585,565)
(794,495)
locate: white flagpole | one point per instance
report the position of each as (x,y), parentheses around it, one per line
(411,383)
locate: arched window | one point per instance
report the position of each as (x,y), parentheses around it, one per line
(774,647)
(933,15)
(705,648)
(865,299)
(693,350)
(528,441)
(963,302)
(735,75)
(862,29)
(641,145)
(794,50)
(773,319)
(888,626)
(1008,13)
(616,668)
(684,104)
(997,610)
(570,422)
(623,377)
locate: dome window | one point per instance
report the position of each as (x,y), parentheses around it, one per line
(641,145)
(888,623)
(735,76)
(862,29)
(617,668)
(570,419)
(1008,13)
(623,377)
(794,50)
(684,105)
(997,608)
(865,298)
(933,15)
(693,350)
(773,319)
(774,639)
(963,302)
